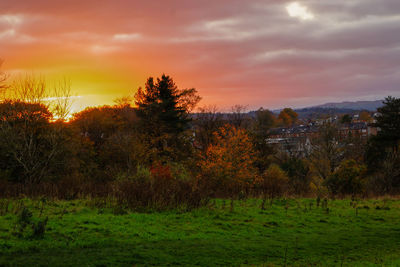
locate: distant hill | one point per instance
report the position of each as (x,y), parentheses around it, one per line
(318,112)
(329,109)
(339,108)
(357,105)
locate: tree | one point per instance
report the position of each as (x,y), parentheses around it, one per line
(206,123)
(299,174)
(327,153)
(388,122)
(61,102)
(387,139)
(273,183)
(164,113)
(262,123)
(188,99)
(30,144)
(288,117)
(346,119)
(354,146)
(365,116)
(348,179)
(3,85)
(227,167)
(100,123)
(33,89)
(29,89)
(117,142)
(387,179)
(238,117)
(383,149)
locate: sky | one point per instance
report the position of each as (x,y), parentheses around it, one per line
(259,53)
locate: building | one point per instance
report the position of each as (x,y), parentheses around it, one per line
(298,140)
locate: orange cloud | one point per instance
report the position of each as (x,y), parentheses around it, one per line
(232,51)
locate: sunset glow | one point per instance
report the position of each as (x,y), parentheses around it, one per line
(257,53)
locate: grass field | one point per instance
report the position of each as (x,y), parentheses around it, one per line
(292,233)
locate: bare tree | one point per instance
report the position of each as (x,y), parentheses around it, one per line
(60,103)
(27,138)
(123,101)
(238,117)
(207,121)
(3,85)
(327,152)
(33,89)
(31,142)
(29,89)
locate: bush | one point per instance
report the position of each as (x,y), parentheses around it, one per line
(39,228)
(24,219)
(299,175)
(163,186)
(348,179)
(274,182)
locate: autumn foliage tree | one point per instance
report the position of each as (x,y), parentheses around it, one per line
(287,117)
(227,167)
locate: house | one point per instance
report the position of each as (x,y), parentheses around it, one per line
(297,140)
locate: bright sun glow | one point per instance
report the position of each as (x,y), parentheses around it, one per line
(297,10)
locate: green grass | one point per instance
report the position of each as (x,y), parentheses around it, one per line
(81,235)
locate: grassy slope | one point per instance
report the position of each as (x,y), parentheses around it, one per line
(210,236)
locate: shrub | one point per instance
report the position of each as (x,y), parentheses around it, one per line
(348,179)
(143,174)
(39,228)
(163,186)
(299,175)
(273,183)
(23,220)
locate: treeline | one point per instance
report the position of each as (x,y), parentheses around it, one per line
(152,152)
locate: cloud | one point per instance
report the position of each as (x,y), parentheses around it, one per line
(61,98)
(259,52)
(297,10)
(12,36)
(7,34)
(12,20)
(103,49)
(125,37)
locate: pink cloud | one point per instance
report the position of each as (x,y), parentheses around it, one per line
(247,52)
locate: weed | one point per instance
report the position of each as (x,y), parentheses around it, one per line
(119,210)
(23,220)
(4,204)
(39,228)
